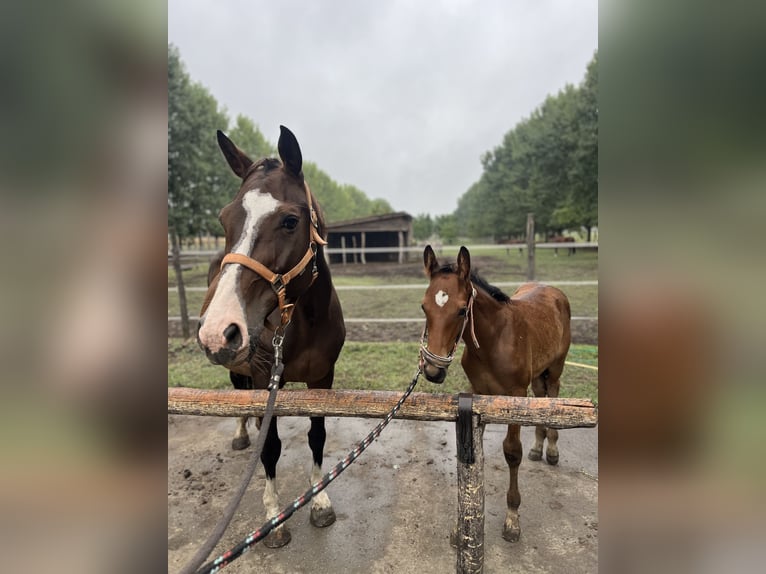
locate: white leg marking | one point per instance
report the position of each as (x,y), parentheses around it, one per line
(441,298)
(241,427)
(321,500)
(270,498)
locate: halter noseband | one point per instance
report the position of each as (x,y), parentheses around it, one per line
(279,281)
(439,361)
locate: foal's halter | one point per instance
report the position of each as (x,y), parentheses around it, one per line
(279,281)
(439,361)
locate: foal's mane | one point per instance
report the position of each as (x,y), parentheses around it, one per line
(480,282)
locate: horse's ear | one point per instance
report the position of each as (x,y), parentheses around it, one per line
(429,260)
(464,264)
(289,151)
(236,158)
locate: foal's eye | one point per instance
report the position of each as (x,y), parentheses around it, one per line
(463,311)
(290,222)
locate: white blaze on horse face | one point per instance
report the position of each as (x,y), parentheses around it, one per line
(441,298)
(228,305)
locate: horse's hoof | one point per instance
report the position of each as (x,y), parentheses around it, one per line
(322,517)
(240,443)
(552,459)
(535,454)
(453,538)
(277,538)
(512,534)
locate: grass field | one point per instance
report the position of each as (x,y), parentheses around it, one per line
(390,365)
(373,366)
(382,303)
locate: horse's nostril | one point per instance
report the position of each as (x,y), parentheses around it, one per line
(232,335)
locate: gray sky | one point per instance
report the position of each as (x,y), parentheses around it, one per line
(397,97)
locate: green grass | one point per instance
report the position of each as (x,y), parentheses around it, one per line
(374,366)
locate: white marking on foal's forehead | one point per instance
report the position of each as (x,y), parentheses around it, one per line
(441,298)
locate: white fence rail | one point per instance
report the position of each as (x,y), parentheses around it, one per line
(419,248)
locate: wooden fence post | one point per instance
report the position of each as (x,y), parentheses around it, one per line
(470,488)
(530,246)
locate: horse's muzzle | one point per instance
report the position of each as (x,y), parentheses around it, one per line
(224,348)
(434,374)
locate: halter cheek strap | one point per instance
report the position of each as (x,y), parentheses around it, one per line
(279,281)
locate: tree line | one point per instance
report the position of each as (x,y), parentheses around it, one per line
(546,165)
(200,182)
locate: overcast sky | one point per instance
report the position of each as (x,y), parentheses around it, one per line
(397,97)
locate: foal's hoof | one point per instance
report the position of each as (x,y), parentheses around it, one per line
(552,459)
(512,533)
(240,443)
(322,517)
(278,538)
(535,454)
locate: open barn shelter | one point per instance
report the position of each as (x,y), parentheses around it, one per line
(373,238)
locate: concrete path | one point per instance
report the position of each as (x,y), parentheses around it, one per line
(396,505)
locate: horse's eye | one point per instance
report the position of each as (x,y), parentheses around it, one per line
(463,311)
(422,308)
(290,222)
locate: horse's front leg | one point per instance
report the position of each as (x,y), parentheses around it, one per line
(241,438)
(272,449)
(513,453)
(322,513)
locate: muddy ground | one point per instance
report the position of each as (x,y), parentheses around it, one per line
(395,505)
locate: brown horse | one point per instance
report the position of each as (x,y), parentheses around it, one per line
(273,277)
(510,343)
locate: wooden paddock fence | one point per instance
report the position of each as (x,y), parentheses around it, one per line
(557,413)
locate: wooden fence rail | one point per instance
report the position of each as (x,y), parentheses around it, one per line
(558,413)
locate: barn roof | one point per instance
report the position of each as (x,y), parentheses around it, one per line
(398,221)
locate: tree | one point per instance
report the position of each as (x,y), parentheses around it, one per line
(446,227)
(547,165)
(196,186)
(422,227)
(584,168)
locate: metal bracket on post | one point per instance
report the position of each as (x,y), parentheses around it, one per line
(465,451)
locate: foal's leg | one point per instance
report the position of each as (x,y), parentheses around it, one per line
(241,439)
(536,452)
(322,513)
(272,449)
(546,385)
(552,450)
(513,455)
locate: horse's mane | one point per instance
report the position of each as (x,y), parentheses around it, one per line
(495,292)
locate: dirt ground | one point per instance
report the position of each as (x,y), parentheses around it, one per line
(395,505)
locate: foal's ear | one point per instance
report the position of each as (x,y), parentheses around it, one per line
(236,158)
(464,264)
(289,151)
(429,260)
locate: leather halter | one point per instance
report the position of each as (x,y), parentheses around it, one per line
(439,361)
(279,281)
